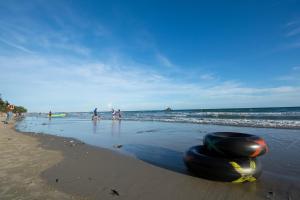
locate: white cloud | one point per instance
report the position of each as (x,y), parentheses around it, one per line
(41,82)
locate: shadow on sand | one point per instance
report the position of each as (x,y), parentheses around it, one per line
(158,156)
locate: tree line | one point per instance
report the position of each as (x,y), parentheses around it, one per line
(4,104)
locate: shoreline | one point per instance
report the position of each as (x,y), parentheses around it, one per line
(97,173)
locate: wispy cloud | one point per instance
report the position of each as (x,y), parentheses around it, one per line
(296,68)
(292,28)
(66,33)
(162,59)
(47,40)
(293,32)
(83,83)
(16,46)
(146,42)
(292,23)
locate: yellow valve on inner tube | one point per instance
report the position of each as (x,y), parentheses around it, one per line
(244,172)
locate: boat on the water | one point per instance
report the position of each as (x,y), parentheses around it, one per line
(58,115)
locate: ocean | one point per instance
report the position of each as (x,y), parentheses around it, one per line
(277,117)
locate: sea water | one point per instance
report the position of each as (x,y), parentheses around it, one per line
(278,117)
(159,137)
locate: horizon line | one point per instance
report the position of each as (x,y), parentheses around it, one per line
(228,108)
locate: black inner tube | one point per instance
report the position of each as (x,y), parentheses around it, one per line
(231,144)
(206,165)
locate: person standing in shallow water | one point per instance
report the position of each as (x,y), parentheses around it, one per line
(9,113)
(116,115)
(113,113)
(119,114)
(50,114)
(95,114)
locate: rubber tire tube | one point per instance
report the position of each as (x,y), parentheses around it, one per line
(206,165)
(233,144)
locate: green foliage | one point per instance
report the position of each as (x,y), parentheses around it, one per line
(18,109)
(3,105)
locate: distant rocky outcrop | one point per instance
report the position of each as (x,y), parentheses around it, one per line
(168,109)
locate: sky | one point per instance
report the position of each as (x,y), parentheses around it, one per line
(148,54)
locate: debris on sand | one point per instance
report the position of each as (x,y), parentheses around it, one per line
(114,192)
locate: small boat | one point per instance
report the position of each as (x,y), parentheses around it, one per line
(58,115)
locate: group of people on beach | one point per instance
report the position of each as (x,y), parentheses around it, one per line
(116,114)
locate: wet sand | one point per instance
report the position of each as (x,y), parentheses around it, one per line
(69,168)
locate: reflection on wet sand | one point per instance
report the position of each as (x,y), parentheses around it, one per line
(116,128)
(95,126)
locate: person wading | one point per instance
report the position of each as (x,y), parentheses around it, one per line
(9,113)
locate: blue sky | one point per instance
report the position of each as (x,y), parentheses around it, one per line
(140,55)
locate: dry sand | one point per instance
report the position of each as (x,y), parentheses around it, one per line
(38,166)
